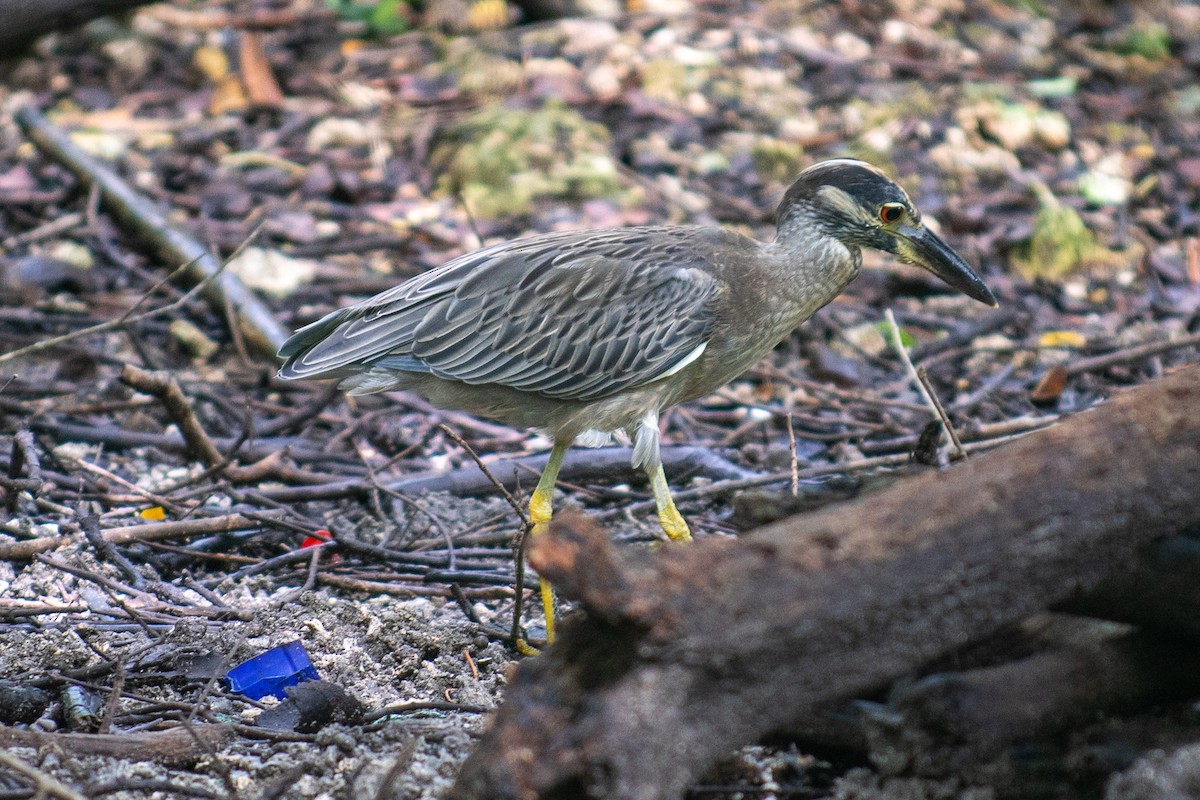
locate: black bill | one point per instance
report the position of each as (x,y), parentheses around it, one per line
(924,248)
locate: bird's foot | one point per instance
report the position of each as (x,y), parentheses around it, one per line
(674,525)
(527,649)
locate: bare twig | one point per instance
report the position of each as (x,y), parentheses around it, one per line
(19,551)
(163,387)
(519,541)
(45,785)
(114,698)
(174,744)
(54,227)
(1131,354)
(127,318)
(955,442)
(512,501)
(24,457)
(939,412)
(792,454)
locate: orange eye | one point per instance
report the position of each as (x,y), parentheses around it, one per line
(891,212)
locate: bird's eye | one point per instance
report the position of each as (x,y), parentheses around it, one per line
(891,212)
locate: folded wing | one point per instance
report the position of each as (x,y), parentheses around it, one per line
(570,316)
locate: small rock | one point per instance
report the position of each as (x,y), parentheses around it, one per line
(271,271)
(338,132)
(193,340)
(587,36)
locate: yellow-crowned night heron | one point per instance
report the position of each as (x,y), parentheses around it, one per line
(599,331)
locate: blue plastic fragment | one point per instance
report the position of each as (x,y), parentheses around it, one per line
(271,672)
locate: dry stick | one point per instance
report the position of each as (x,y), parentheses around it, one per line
(314,564)
(604,464)
(114,698)
(256,19)
(163,387)
(519,540)
(54,227)
(923,386)
(978,435)
(414,503)
(24,550)
(795,462)
(1131,354)
(24,457)
(171,745)
(199,444)
(422,705)
(718,488)
(151,603)
(125,319)
(13,609)
(257,322)
(152,497)
(45,785)
(106,550)
(413,590)
(400,763)
(955,442)
(858,465)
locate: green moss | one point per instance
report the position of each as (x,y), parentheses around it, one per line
(1060,242)
(978,91)
(478,71)
(382,17)
(905,103)
(775,159)
(1034,7)
(857,148)
(1150,40)
(1059,86)
(665,80)
(1187,101)
(502,160)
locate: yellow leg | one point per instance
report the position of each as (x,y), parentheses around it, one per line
(540,511)
(672,521)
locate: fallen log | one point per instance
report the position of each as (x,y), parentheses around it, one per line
(948,723)
(1159,592)
(682,657)
(26,20)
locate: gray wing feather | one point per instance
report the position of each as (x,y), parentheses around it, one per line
(572,316)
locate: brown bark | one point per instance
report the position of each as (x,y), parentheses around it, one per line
(176,745)
(685,656)
(949,722)
(1159,592)
(25,20)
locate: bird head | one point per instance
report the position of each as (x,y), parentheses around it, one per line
(859,206)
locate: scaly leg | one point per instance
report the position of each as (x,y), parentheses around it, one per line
(540,511)
(672,521)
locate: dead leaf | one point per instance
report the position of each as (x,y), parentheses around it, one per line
(261,85)
(1050,387)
